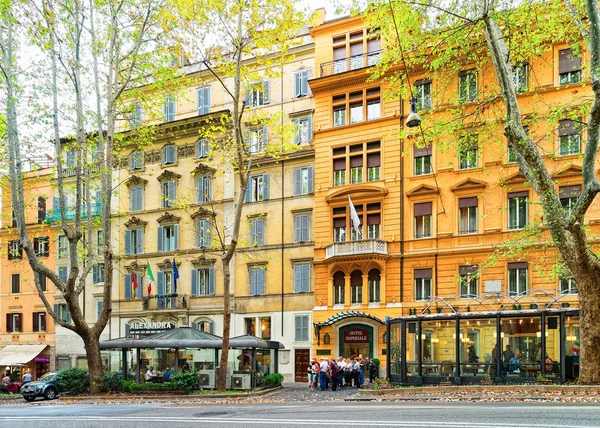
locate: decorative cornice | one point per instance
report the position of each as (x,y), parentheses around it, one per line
(570,171)
(168,218)
(167,174)
(202,213)
(516,178)
(357,191)
(135,222)
(423,189)
(167,264)
(135,267)
(135,180)
(203,169)
(203,261)
(469,183)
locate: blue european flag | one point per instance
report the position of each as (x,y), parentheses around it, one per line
(175,276)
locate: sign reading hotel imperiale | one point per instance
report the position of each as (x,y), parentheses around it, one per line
(356,335)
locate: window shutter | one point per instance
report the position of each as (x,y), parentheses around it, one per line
(265,187)
(311,179)
(9,323)
(267,92)
(166,109)
(195,287)
(127,330)
(55,203)
(95,274)
(200,189)
(298,328)
(297,181)
(176,228)
(297,84)
(207,100)
(139,244)
(305,77)
(160,283)
(305,327)
(55,311)
(172,190)
(43,323)
(195,325)
(304,233)
(248,96)
(161,239)
(127,286)
(260,232)
(67,314)
(298,228)
(297,279)
(211,327)
(306,278)
(99,308)
(207,234)
(138,290)
(211,282)
(207,189)
(249,190)
(199,102)
(252,232)
(265,135)
(36,325)
(128,242)
(260,281)
(253,281)
(310,129)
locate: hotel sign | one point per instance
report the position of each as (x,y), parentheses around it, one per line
(356,335)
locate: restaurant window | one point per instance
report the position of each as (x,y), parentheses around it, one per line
(302,228)
(169,154)
(569,137)
(258,94)
(339,288)
(15,250)
(422,284)
(265,327)
(202,148)
(15,283)
(568,285)
(203,189)
(423,220)
(169,108)
(568,196)
(423,92)
(168,193)
(301,83)
(374,286)
(569,67)
(467,86)
(356,289)
(134,241)
(304,133)
(39,321)
(203,233)
(250,326)
(304,180)
(41,246)
(301,326)
(41,209)
(130,290)
(357,106)
(203,100)
(203,282)
(13,323)
(301,278)
(136,199)
(467,215)
(517,210)
(517,278)
(136,161)
(98,273)
(257,280)
(520,78)
(422,160)
(258,188)
(357,156)
(257,232)
(168,238)
(468,281)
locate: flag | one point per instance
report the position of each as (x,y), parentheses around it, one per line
(134,281)
(150,278)
(175,276)
(355,218)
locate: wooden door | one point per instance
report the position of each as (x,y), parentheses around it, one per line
(301,360)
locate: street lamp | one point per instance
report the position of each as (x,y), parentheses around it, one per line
(413,120)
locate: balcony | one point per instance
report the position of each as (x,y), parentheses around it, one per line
(54,215)
(355,62)
(175,301)
(72,170)
(356,248)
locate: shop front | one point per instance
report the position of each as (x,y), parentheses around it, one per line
(18,359)
(355,340)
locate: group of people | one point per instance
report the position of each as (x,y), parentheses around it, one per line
(10,383)
(512,361)
(325,374)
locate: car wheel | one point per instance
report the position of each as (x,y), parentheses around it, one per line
(30,399)
(50,394)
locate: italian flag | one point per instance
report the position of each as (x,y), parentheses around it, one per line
(150,278)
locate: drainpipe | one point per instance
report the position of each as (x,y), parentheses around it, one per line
(282,216)
(401,203)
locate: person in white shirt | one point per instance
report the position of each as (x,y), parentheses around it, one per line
(323,374)
(150,374)
(342,368)
(27,377)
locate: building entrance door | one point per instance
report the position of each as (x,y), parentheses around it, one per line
(301,358)
(355,340)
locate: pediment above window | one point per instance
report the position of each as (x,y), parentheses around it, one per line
(168,218)
(203,169)
(570,171)
(356,191)
(516,178)
(135,267)
(135,180)
(203,261)
(167,174)
(469,183)
(135,222)
(202,213)
(423,189)
(167,264)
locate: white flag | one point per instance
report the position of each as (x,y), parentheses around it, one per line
(355,219)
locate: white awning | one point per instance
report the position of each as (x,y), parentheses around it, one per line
(19,355)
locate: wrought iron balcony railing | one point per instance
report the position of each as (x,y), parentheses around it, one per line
(351,248)
(178,301)
(54,215)
(355,62)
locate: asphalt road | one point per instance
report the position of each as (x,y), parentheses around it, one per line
(320,414)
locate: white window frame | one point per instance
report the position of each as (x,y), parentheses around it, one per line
(519,288)
(425,285)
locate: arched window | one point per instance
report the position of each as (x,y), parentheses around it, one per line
(374,286)
(338,288)
(356,287)
(203,324)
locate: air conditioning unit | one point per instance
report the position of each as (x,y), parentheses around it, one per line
(241,381)
(206,379)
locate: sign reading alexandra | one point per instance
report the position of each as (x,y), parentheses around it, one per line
(151,325)
(356,335)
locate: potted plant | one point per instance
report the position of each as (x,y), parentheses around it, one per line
(543,380)
(486,380)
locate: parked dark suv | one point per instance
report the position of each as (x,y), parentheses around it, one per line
(43,387)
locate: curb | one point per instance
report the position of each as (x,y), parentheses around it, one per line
(548,389)
(166,397)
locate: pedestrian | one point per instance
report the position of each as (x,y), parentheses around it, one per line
(356,372)
(473,359)
(323,374)
(167,374)
(334,374)
(373,369)
(348,374)
(311,374)
(361,362)
(26,377)
(342,371)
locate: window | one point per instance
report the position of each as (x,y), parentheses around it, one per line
(39,321)
(423,220)
(368,214)
(301,84)
(257,232)
(99,309)
(339,172)
(373,166)
(359,104)
(63,273)
(468,280)
(357,155)
(423,284)
(250,326)
(568,285)
(304,130)
(568,196)
(62,312)
(258,94)
(569,67)
(259,139)
(98,273)
(169,153)
(13,323)
(356,291)
(374,286)
(467,86)
(169,109)
(303,180)
(258,188)
(339,288)
(520,78)
(15,250)
(204,326)
(71,157)
(302,228)
(63,363)
(168,238)
(130,291)
(134,241)
(339,228)
(265,327)
(41,211)
(569,138)
(356,169)
(373,225)
(423,92)
(137,116)
(203,100)
(202,148)
(467,215)
(203,189)
(168,193)
(257,280)
(355,43)
(512,155)
(42,280)
(203,282)
(517,210)
(301,326)
(204,234)
(136,161)
(422,160)
(15,283)
(468,156)
(63,247)
(517,278)
(136,199)
(302,278)
(164,286)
